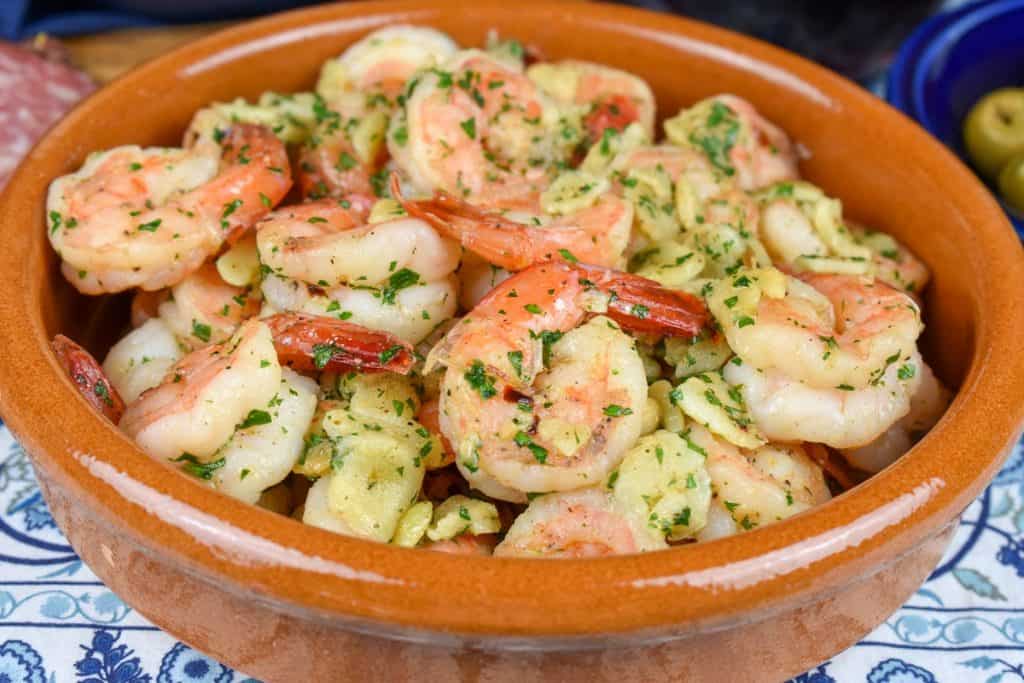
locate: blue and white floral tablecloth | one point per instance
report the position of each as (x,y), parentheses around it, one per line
(58,623)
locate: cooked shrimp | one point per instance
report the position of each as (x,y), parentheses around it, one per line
(141,358)
(203,309)
(927,404)
(597,235)
(605,98)
(373,71)
(334,168)
(536,402)
(266,445)
(133,217)
(828,331)
(396,276)
(479,129)
(324,244)
(584,523)
(763,485)
(88,377)
(195,410)
(786,409)
(737,140)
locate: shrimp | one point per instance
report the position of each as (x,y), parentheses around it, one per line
(89,378)
(576,524)
(927,404)
(267,444)
(334,168)
(342,156)
(597,235)
(844,417)
(479,129)
(196,407)
(141,358)
(605,98)
(203,309)
(737,140)
(357,93)
(534,401)
(133,217)
(763,485)
(396,276)
(373,71)
(837,332)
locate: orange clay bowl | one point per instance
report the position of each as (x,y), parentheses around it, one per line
(287,602)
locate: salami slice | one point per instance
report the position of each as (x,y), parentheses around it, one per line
(34,94)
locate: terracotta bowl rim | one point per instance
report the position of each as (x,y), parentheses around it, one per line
(404,591)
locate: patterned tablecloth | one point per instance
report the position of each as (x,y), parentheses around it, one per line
(59,623)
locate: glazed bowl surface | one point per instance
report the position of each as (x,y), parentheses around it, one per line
(232,579)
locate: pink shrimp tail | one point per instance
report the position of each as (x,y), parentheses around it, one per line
(313,343)
(644,306)
(488,234)
(89,378)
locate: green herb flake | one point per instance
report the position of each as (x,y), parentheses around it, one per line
(254,418)
(398,281)
(523,439)
(201,331)
(614,410)
(387,354)
(480,381)
(197,468)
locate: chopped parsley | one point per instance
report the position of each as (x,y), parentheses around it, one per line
(198,468)
(614,410)
(254,418)
(523,439)
(387,354)
(201,331)
(480,381)
(103,393)
(515,358)
(323,353)
(399,280)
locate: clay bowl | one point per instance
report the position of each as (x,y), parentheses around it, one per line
(286,602)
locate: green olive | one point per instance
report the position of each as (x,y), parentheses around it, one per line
(994,129)
(1011,183)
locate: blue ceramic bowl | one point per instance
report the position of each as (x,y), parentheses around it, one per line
(953,59)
